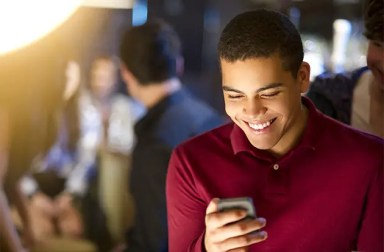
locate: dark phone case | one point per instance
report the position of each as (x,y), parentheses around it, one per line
(238,203)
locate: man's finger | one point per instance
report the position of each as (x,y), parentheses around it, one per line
(215,219)
(213,206)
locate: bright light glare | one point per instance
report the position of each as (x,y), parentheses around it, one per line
(24,21)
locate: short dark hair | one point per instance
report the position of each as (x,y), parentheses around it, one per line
(150,51)
(374,20)
(262,33)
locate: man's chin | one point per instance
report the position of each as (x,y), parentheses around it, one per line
(261,145)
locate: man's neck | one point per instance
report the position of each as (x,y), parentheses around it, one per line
(153,93)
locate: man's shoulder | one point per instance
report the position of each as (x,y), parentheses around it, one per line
(332,93)
(345,148)
(366,139)
(352,138)
(185,117)
(196,106)
(329,83)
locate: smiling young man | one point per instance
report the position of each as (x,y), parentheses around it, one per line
(317,185)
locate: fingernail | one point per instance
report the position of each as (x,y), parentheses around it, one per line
(262,234)
(262,220)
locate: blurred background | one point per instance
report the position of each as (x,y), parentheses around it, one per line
(331,29)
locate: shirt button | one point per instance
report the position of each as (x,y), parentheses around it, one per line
(275,167)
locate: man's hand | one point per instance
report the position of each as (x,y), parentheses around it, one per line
(69,218)
(42,212)
(63,202)
(43,204)
(226,231)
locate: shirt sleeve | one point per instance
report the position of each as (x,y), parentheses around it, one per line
(91,130)
(78,179)
(28,185)
(121,137)
(186,210)
(371,235)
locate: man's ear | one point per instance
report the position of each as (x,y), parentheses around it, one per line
(303,76)
(126,75)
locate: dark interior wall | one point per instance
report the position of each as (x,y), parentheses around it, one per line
(187,19)
(316,17)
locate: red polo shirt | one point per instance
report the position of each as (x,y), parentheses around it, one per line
(326,194)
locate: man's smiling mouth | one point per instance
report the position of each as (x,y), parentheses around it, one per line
(261,126)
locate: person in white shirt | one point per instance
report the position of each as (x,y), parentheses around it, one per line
(93,118)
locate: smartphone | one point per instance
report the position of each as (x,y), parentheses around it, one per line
(245,203)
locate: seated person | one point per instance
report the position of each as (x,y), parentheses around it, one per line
(51,205)
(64,198)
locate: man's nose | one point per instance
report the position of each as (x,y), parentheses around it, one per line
(254,107)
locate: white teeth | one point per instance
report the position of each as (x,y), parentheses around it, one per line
(259,126)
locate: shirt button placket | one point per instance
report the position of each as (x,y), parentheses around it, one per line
(277,182)
(276,167)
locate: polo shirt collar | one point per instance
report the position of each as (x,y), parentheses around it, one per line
(311,133)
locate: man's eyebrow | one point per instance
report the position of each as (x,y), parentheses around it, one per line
(269,86)
(226,88)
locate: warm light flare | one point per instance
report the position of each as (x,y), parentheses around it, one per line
(24,21)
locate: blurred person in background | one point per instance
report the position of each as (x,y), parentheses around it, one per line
(357,97)
(107,119)
(51,195)
(106,114)
(152,63)
(57,186)
(63,191)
